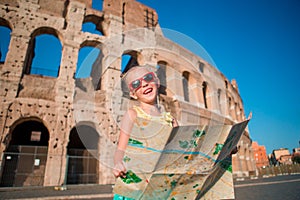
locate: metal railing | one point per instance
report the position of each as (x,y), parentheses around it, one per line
(23,166)
(81,170)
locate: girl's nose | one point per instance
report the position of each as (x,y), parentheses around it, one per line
(144,83)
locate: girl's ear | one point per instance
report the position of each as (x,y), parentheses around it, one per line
(132,95)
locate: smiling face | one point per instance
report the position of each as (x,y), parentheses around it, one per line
(143,84)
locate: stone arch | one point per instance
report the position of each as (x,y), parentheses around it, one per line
(29,123)
(30,54)
(82,151)
(6,23)
(24,111)
(131,61)
(93,24)
(25,157)
(47,30)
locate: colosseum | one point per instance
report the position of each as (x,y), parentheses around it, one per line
(44,111)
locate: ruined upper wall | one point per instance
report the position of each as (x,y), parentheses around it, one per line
(52,7)
(131,12)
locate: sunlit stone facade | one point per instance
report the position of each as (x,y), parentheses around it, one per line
(41,115)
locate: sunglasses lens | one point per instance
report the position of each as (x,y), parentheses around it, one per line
(135,84)
(148,77)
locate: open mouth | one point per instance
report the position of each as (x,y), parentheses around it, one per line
(148,90)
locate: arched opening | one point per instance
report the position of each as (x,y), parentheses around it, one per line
(219,100)
(201,67)
(91,28)
(229,105)
(204,92)
(89,64)
(5,32)
(185,84)
(26,155)
(92,24)
(235,111)
(162,76)
(82,151)
(128,60)
(226,84)
(44,53)
(87,58)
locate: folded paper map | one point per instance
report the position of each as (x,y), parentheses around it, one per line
(186,162)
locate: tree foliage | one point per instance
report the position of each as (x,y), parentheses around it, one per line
(296,158)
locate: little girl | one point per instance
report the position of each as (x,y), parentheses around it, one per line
(143,85)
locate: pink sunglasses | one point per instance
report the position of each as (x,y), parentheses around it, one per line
(136,84)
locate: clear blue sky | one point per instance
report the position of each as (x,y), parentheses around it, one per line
(256,42)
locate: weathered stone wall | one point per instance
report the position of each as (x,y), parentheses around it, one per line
(63,102)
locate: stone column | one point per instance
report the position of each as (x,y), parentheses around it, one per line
(12,69)
(55,172)
(195,92)
(174,82)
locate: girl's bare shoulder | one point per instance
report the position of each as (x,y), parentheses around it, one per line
(131,114)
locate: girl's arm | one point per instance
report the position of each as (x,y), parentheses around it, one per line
(125,130)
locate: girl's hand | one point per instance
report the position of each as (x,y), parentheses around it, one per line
(119,170)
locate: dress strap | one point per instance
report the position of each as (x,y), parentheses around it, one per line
(164,118)
(141,113)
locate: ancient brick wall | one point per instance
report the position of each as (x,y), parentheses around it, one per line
(64,102)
